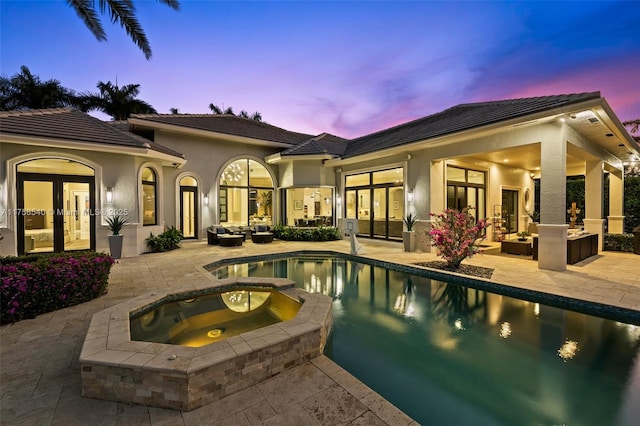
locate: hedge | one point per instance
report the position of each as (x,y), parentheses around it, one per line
(35,284)
(618,242)
(321,233)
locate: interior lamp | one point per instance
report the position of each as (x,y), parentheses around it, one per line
(109,195)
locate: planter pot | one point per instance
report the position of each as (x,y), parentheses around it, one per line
(115,246)
(409,240)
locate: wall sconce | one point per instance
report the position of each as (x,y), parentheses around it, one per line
(206,200)
(410,195)
(109,195)
(338,199)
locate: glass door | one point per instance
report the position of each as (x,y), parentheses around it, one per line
(188,214)
(76,217)
(36,215)
(380,212)
(510,210)
(55,213)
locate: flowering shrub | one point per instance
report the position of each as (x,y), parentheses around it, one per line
(32,285)
(455,235)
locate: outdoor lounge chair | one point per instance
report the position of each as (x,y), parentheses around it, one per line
(213,233)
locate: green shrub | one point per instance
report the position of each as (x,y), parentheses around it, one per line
(34,284)
(321,233)
(168,240)
(618,242)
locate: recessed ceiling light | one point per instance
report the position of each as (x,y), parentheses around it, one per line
(609,135)
(505,160)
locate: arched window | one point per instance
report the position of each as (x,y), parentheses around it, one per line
(246,194)
(149,199)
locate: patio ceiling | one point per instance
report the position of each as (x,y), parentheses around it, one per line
(523,157)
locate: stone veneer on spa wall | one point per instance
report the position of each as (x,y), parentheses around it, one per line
(116,368)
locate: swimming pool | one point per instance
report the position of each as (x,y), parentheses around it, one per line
(449,354)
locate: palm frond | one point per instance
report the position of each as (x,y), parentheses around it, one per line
(86,11)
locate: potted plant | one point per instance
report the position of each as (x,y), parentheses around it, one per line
(409,236)
(522,236)
(115,224)
(533,225)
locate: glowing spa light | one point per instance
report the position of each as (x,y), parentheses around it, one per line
(505,330)
(568,350)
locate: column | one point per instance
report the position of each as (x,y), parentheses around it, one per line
(616,202)
(593,221)
(552,230)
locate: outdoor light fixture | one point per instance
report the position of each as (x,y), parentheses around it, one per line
(206,200)
(109,194)
(410,195)
(338,199)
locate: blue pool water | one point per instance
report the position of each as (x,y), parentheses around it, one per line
(452,355)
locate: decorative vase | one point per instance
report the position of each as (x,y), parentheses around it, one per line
(409,240)
(115,246)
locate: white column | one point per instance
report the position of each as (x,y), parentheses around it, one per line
(593,221)
(616,203)
(552,230)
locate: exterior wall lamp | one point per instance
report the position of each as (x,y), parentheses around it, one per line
(109,195)
(206,200)
(410,195)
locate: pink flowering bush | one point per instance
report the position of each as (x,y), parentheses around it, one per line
(456,235)
(33,285)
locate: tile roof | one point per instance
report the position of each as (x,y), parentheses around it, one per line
(228,124)
(459,118)
(324,143)
(123,126)
(71,125)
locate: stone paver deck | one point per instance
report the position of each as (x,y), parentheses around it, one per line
(40,372)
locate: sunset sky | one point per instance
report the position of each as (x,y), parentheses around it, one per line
(347,68)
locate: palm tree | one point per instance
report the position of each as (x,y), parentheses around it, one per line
(633,126)
(120,11)
(26,91)
(229,111)
(119,103)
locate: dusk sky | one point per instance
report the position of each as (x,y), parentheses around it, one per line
(347,68)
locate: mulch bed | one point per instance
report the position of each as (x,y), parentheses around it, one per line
(474,271)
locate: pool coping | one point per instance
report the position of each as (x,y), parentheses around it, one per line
(602,310)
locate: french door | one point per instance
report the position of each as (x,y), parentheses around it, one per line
(188,211)
(55,213)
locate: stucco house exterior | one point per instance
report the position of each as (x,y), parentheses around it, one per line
(63,172)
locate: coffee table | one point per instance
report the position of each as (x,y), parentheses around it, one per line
(230,240)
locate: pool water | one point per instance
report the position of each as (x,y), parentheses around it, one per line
(209,318)
(452,355)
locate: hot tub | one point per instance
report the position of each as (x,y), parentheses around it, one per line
(173,366)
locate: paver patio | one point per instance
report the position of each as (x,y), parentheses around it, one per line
(40,374)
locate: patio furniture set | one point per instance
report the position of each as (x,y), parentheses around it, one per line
(234,236)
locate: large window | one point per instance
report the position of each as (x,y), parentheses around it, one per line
(376,199)
(466,188)
(246,194)
(149,199)
(312,206)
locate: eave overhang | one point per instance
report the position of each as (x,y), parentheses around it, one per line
(144,151)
